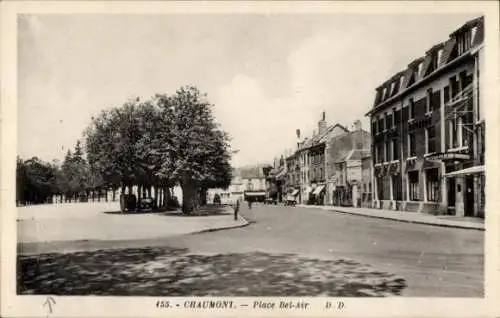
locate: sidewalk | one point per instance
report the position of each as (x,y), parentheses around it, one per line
(409,217)
(104,222)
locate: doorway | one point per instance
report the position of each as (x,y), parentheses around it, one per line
(469,196)
(451,195)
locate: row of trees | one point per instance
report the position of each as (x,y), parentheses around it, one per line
(39,181)
(152,145)
(161,142)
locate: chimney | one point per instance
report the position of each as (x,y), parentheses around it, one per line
(298,138)
(357,135)
(322,124)
(357,125)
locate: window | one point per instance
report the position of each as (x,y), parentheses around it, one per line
(412,151)
(446,94)
(382,126)
(380,188)
(383,93)
(460,133)
(454,86)
(439,55)
(411,109)
(433,185)
(397,191)
(388,121)
(381,152)
(395,149)
(404,115)
(436,100)
(454,132)
(387,151)
(413,185)
(420,66)
(374,128)
(401,81)
(397,117)
(430,140)
(428,104)
(391,92)
(473,34)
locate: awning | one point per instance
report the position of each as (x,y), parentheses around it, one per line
(255,194)
(318,189)
(443,156)
(471,170)
(295,192)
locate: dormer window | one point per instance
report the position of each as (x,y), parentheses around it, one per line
(392,89)
(383,93)
(401,80)
(439,55)
(473,34)
(420,66)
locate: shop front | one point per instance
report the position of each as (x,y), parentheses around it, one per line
(469,191)
(254,196)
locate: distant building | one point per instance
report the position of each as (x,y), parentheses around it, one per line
(366,180)
(427,129)
(344,152)
(313,161)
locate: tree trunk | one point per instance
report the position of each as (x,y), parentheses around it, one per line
(148,189)
(106,198)
(139,192)
(203,196)
(188,196)
(123,189)
(114,194)
(98,194)
(155,189)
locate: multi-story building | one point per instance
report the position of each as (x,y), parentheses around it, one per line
(427,130)
(338,149)
(366,177)
(313,161)
(292,183)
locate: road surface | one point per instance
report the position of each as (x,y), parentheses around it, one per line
(331,248)
(435,261)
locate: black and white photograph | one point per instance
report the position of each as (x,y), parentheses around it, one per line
(214,155)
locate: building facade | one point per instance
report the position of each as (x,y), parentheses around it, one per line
(366,177)
(338,150)
(427,130)
(313,162)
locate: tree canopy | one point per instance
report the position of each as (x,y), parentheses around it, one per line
(165,141)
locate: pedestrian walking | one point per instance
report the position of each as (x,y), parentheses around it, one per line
(236,209)
(249,204)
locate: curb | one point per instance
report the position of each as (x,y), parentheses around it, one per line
(457,226)
(465,227)
(216,229)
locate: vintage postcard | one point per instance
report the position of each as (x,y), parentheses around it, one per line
(320,159)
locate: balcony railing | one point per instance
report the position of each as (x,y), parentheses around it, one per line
(462,95)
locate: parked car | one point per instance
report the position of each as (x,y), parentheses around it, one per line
(270,201)
(217,199)
(128,202)
(290,200)
(146,204)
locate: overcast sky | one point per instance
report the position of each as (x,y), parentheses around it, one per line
(267,75)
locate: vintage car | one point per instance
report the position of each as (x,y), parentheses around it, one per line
(146,204)
(290,200)
(270,200)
